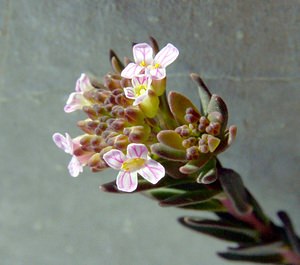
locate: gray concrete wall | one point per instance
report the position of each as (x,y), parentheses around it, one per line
(247,52)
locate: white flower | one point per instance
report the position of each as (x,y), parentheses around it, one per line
(136,161)
(146,64)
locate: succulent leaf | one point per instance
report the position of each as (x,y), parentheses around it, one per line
(178,105)
(204,92)
(216,104)
(234,188)
(167,152)
(220,229)
(171,139)
(188,198)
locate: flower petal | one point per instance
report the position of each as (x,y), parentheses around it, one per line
(153,171)
(62,142)
(141,80)
(83,83)
(74,102)
(129,92)
(75,167)
(131,70)
(142,53)
(158,73)
(137,151)
(114,158)
(127,181)
(139,99)
(166,55)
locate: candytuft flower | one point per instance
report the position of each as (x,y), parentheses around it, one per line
(76,99)
(139,89)
(136,161)
(145,64)
(69,145)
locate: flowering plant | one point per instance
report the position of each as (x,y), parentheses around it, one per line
(166,148)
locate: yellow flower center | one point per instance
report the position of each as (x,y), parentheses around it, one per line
(143,63)
(133,164)
(156,66)
(140,90)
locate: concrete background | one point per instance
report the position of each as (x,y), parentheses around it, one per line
(246,51)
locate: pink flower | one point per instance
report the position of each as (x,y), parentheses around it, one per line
(76,99)
(139,89)
(145,64)
(69,145)
(135,162)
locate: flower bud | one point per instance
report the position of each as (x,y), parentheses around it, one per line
(138,134)
(134,115)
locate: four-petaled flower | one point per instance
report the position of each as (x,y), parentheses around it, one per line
(76,99)
(139,89)
(136,161)
(69,145)
(145,64)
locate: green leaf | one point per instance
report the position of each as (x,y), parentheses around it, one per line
(116,63)
(171,139)
(178,105)
(208,172)
(188,198)
(266,259)
(234,188)
(221,229)
(292,238)
(169,153)
(216,104)
(162,193)
(203,91)
(193,166)
(211,205)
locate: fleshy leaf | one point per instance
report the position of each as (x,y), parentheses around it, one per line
(195,165)
(289,231)
(266,259)
(220,229)
(171,139)
(204,92)
(188,198)
(116,63)
(167,152)
(211,206)
(162,193)
(208,173)
(178,105)
(235,190)
(216,104)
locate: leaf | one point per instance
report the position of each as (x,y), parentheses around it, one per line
(269,248)
(272,259)
(171,139)
(172,169)
(208,172)
(193,166)
(216,104)
(289,231)
(178,105)
(211,205)
(162,193)
(235,190)
(164,151)
(116,63)
(221,229)
(188,198)
(204,92)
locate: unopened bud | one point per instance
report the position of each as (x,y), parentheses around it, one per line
(134,115)
(192,153)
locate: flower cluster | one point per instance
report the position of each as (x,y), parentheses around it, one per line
(134,127)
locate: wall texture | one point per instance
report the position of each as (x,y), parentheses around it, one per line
(248,51)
